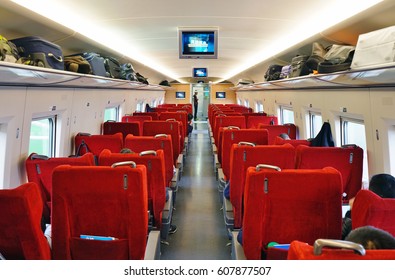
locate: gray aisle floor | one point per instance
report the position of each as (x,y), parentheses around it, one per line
(201,233)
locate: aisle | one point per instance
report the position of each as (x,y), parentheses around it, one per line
(201,232)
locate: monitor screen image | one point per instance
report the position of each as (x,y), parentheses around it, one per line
(199,72)
(220,94)
(198,44)
(180,94)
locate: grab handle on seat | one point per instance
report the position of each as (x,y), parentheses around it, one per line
(341,244)
(150,152)
(243,143)
(267,166)
(124,163)
(160,135)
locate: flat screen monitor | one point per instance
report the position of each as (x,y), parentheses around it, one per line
(180,94)
(220,94)
(199,72)
(198,43)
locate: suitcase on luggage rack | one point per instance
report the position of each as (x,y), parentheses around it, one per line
(40,52)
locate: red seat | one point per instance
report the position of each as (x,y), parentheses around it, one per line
(155,164)
(171,128)
(276,130)
(39,170)
(232,136)
(154,115)
(140,119)
(181,116)
(348,160)
(224,121)
(283,206)
(244,156)
(303,251)
(158,142)
(254,121)
(370,209)
(111,127)
(99,201)
(85,142)
(21,237)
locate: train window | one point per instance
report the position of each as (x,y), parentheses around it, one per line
(239,101)
(42,136)
(111,114)
(258,107)
(353,132)
(247,103)
(314,121)
(286,115)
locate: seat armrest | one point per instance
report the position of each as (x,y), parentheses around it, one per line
(237,248)
(152,250)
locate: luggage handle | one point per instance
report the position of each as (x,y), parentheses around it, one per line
(267,166)
(132,164)
(342,244)
(57,58)
(146,153)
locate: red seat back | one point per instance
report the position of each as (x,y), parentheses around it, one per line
(140,119)
(171,128)
(154,162)
(276,130)
(181,116)
(255,121)
(96,143)
(39,170)
(224,121)
(99,201)
(125,128)
(154,115)
(348,160)
(370,209)
(283,206)
(21,236)
(234,136)
(242,157)
(159,142)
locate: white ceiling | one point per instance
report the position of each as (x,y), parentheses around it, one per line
(250,31)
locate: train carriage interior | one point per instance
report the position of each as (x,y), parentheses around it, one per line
(219,130)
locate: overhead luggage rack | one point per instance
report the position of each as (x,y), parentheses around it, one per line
(12,74)
(374,77)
